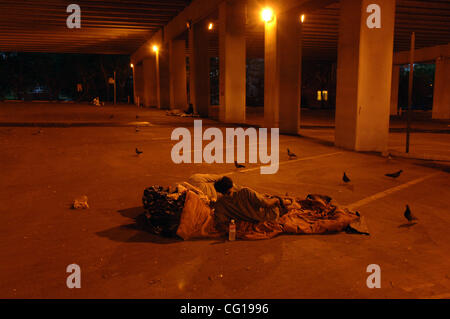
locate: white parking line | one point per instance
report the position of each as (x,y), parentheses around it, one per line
(286,162)
(389,191)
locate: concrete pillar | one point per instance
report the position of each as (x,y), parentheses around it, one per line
(394,89)
(232,61)
(138,73)
(282,72)
(199,68)
(441,91)
(133,69)
(162,79)
(178,94)
(364,74)
(150,96)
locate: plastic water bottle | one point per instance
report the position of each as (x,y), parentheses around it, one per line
(232,231)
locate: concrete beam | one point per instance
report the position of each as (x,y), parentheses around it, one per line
(200,9)
(429,54)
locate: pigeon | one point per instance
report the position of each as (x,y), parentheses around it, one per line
(394,175)
(137,130)
(345,178)
(238,165)
(408,215)
(291,155)
(137,116)
(138,152)
(38,132)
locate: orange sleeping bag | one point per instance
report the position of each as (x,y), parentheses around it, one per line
(313,215)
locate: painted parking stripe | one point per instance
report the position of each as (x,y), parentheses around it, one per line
(287,162)
(389,191)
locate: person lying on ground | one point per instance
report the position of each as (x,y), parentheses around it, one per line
(188,213)
(245,204)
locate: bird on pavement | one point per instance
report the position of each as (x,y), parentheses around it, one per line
(138,152)
(345,178)
(38,132)
(394,175)
(137,130)
(137,116)
(238,165)
(408,215)
(291,155)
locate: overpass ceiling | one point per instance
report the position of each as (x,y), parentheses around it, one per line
(107,26)
(122,26)
(429,19)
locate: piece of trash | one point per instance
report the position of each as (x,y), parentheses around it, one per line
(358,226)
(154,281)
(80,203)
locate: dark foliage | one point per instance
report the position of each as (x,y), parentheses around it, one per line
(50,76)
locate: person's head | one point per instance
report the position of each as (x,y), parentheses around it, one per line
(223,185)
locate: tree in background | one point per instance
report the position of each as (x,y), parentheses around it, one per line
(55,76)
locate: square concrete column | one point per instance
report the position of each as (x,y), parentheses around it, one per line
(162,78)
(441,91)
(138,72)
(232,61)
(178,94)
(199,68)
(150,95)
(364,74)
(282,72)
(394,89)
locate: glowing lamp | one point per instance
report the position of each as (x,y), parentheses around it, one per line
(267,14)
(302,18)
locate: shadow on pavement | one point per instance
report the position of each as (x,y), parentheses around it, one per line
(132,233)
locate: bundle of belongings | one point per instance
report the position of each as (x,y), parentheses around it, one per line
(181,113)
(203,207)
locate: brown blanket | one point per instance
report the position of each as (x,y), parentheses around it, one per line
(314,215)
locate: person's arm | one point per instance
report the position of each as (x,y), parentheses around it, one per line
(263,201)
(269,202)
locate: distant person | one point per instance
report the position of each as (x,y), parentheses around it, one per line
(190,109)
(79,91)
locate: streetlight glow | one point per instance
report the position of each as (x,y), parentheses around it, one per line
(210,26)
(155,48)
(267,14)
(131,65)
(302,18)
